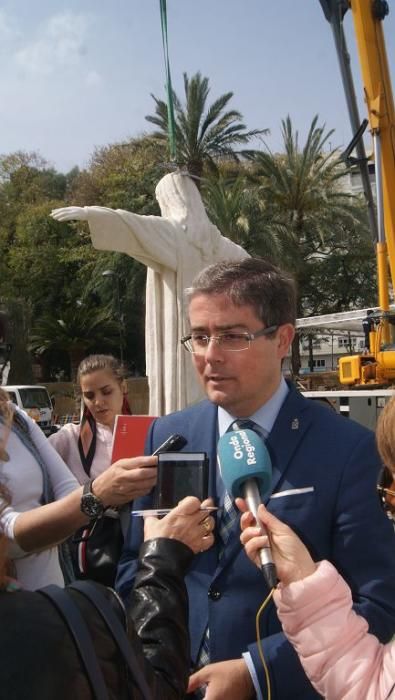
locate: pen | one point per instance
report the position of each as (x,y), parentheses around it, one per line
(164,511)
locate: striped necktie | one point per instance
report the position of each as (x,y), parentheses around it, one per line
(225,525)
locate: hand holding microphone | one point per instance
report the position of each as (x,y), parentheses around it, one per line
(246,471)
(292,559)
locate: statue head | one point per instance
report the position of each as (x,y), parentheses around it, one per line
(180,200)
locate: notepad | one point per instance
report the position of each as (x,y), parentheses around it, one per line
(129,437)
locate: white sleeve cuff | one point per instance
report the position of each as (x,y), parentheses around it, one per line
(251,668)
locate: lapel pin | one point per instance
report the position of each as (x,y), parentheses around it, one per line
(295,424)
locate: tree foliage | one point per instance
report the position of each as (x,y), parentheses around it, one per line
(312,219)
(79,332)
(291,207)
(203,133)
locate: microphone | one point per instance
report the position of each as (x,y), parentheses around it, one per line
(172,444)
(246,471)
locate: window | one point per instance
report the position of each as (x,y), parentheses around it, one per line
(345,342)
(35,398)
(319,363)
(316,344)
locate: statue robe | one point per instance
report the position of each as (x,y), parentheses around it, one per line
(175,248)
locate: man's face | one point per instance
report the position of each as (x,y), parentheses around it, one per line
(241,381)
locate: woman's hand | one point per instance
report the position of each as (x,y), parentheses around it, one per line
(291,558)
(126,480)
(187,523)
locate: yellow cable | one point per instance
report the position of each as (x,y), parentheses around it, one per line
(258,638)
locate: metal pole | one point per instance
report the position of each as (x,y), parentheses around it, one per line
(120,320)
(334,11)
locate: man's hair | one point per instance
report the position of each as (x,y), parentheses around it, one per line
(251,282)
(385,434)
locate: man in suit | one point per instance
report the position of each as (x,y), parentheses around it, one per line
(325,467)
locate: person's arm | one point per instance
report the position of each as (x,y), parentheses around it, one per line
(315,608)
(50,524)
(363,543)
(338,654)
(292,561)
(158,605)
(62,480)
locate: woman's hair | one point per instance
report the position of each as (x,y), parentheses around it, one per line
(93,363)
(385,434)
(87,433)
(6,411)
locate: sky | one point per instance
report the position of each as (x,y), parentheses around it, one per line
(78,74)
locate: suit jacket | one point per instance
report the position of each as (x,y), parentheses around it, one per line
(338,517)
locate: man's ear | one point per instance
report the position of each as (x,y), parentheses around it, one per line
(285,336)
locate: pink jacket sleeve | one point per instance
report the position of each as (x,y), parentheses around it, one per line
(342,660)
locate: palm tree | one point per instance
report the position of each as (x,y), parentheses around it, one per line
(203,133)
(235,207)
(79,332)
(303,188)
(307,206)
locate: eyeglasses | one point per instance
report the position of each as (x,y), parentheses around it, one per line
(382,491)
(229,341)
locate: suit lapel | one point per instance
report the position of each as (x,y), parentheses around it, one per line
(203,437)
(289,429)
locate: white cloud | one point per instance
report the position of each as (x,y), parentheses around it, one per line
(61,45)
(93,78)
(8,30)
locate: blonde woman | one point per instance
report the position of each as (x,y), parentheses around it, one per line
(86,448)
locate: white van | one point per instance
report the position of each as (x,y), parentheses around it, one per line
(35,401)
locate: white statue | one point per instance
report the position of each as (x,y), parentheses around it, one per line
(174,247)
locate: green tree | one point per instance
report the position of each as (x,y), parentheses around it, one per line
(237,209)
(203,132)
(46,268)
(122,176)
(309,212)
(78,332)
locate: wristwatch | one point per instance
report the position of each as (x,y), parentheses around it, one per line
(91,505)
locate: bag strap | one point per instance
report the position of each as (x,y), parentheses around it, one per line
(75,622)
(103,607)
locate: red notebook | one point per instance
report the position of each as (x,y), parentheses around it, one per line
(129,436)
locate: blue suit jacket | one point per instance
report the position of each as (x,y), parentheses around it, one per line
(340,520)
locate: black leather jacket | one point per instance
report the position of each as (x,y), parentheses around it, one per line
(38,659)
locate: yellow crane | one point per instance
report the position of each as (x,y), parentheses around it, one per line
(377,366)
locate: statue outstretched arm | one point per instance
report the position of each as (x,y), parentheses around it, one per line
(152,240)
(69,214)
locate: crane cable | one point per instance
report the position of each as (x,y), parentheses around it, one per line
(171,123)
